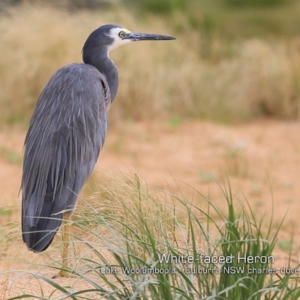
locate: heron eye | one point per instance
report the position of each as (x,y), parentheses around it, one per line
(122,34)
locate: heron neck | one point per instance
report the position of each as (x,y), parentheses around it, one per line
(107,68)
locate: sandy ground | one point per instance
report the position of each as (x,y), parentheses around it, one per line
(261,160)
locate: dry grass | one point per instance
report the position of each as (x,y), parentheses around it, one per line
(260,77)
(128,225)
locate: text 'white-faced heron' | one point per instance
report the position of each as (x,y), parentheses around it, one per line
(66,134)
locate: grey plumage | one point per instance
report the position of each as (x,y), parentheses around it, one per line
(64,141)
(66,134)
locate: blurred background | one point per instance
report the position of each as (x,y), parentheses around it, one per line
(222,100)
(233,61)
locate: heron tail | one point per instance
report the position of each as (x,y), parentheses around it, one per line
(39,237)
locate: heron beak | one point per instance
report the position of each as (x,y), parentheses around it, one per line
(133,36)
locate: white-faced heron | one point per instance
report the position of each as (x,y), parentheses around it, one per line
(66,134)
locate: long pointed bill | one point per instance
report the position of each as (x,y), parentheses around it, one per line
(147,37)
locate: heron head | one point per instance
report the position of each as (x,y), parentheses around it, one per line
(119,36)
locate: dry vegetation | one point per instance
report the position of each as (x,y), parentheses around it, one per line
(130,225)
(254,77)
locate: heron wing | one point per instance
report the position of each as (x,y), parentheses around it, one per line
(66,134)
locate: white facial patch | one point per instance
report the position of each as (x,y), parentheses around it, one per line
(114,33)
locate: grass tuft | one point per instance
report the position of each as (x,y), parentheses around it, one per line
(136,243)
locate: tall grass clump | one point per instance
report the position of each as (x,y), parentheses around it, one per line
(136,243)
